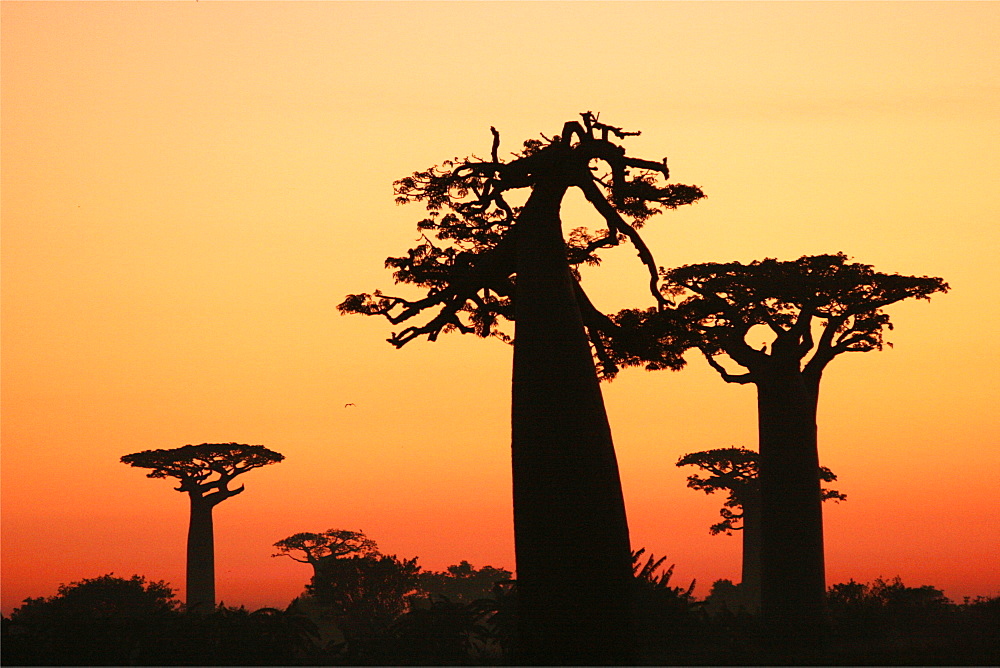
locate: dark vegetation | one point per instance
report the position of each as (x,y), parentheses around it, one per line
(394,613)
(581,596)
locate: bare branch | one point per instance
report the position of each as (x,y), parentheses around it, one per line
(741,379)
(616,225)
(496,145)
(660,167)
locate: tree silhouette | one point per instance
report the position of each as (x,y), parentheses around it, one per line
(721,304)
(363,594)
(734,470)
(96,621)
(461,583)
(106,596)
(498,261)
(309,548)
(205,472)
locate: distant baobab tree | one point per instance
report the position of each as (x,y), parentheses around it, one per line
(495,261)
(310,548)
(734,470)
(205,472)
(719,306)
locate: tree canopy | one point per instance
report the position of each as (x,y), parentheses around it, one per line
(366,591)
(734,470)
(720,303)
(203,467)
(469,271)
(462,583)
(308,547)
(103,597)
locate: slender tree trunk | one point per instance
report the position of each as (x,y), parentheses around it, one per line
(200,557)
(751,553)
(793,583)
(574,572)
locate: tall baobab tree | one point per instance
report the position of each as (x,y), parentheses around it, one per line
(498,261)
(205,472)
(815,308)
(734,471)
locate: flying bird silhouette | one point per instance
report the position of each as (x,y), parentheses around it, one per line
(346,405)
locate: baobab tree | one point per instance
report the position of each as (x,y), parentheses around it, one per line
(815,308)
(310,548)
(495,261)
(205,472)
(734,470)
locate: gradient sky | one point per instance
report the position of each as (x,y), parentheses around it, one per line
(189,190)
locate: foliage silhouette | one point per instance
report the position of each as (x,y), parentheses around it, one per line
(310,548)
(92,622)
(905,625)
(119,621)
(105,596)
(720,304)
(442,632)
(363,594)
(725,597)
(871,607)
(671,624)
(205,472)
(496,261)
(424,626)
(462,583)
(659,605)
(735,471)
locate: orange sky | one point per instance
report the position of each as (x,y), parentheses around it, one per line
(189,189)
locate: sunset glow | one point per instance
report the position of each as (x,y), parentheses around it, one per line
(189,190)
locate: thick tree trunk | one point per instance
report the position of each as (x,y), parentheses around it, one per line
(574,571)
(200,557)
(793,583)
(751,554)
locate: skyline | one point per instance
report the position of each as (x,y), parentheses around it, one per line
(190,190)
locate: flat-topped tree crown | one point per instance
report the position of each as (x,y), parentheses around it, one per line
(846,298)
(310,547)
(721,302)
(206,467)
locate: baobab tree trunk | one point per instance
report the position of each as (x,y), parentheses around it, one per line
(793,582)
(200,557)
(751,552)
(571,535)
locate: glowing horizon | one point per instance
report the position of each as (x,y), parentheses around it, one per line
(189,190)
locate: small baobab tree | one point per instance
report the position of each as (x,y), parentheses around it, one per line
(814,309)
(734,471)
(310,548)
(205,472)
(495,261)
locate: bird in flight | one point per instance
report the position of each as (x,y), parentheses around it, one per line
(346,405)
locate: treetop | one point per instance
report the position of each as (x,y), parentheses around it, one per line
(330,543)
(716,305)
(194,465)
(828,286)
(469,271)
